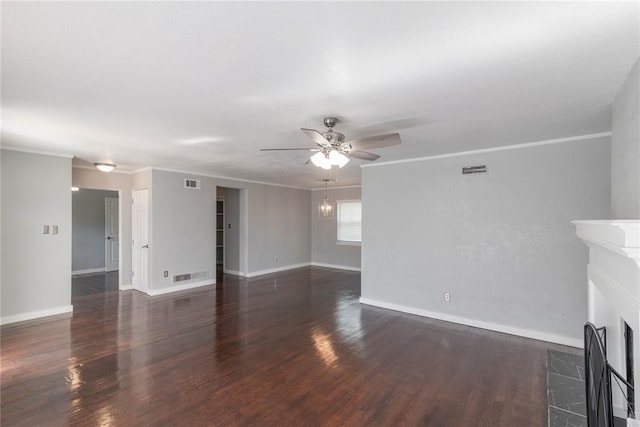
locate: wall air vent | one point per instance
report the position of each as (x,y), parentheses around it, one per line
(198,275)
(181,277)
(474,169)
(194,184)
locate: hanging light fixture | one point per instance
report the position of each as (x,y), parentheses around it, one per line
(105,167)
(325,208)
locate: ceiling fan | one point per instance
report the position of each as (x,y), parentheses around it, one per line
(333,150)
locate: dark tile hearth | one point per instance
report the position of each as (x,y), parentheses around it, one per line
(566,389)
(567,394)
(560,418)
(565,364)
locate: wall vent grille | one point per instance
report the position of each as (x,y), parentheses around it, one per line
(474,169)
(193,184)
(199,275)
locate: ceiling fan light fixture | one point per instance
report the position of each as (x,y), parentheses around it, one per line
(321,160)
(338,159)
(105,167)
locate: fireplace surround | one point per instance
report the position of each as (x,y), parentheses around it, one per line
(614,293)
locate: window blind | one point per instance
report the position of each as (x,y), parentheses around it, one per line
(349,221)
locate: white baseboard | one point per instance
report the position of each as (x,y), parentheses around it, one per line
(161,291)
(36,314)
(126,287)
(277,269)
(89,271)
(338,267)
(527,333)
(232,272)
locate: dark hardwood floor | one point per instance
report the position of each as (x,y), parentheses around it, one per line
(289,349)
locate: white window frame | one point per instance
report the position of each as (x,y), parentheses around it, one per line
(347,242)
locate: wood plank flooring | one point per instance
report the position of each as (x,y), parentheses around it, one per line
(290,349)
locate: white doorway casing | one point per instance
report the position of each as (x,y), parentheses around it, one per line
(112,236)
(140,243)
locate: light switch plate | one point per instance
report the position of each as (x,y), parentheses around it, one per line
(54,229)
(45,229)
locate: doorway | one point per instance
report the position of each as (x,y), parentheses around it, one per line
(230,231)
(95,241)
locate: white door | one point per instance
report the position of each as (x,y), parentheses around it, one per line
(111,237)
(140,233)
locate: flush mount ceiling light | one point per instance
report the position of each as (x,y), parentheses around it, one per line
(333,150)
(105,167)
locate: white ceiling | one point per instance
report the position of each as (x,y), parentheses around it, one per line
(140,83)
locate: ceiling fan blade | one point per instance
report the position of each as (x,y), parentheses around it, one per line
(289,149)
(363,155)
(316,136)
(379,141)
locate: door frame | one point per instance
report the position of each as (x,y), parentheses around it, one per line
(243,238)
(120,204)
(106,237)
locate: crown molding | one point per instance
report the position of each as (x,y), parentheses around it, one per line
(493,149)
(227,178)
(336,188)
(41,152)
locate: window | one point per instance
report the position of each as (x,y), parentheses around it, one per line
(349,221)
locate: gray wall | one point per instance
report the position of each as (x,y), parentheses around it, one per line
(625,149)
(88,227)
(278,228)
(501,243)
(36,267)
(182,229)
(231,235)
(324,233)
(94,179)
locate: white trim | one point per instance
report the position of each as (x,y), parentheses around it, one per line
(161,291)
(347,243)
(336,188)
(277,269)
(490,150)
(527,333)
(36,314)
(144,169)
(34,151)
(89,271)
(337,267)
(126,287)
(226,177)
(232,272)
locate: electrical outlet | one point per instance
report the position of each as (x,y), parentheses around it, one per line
(166,273)
(447,297)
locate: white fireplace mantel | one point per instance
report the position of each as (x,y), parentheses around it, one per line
(614,287)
